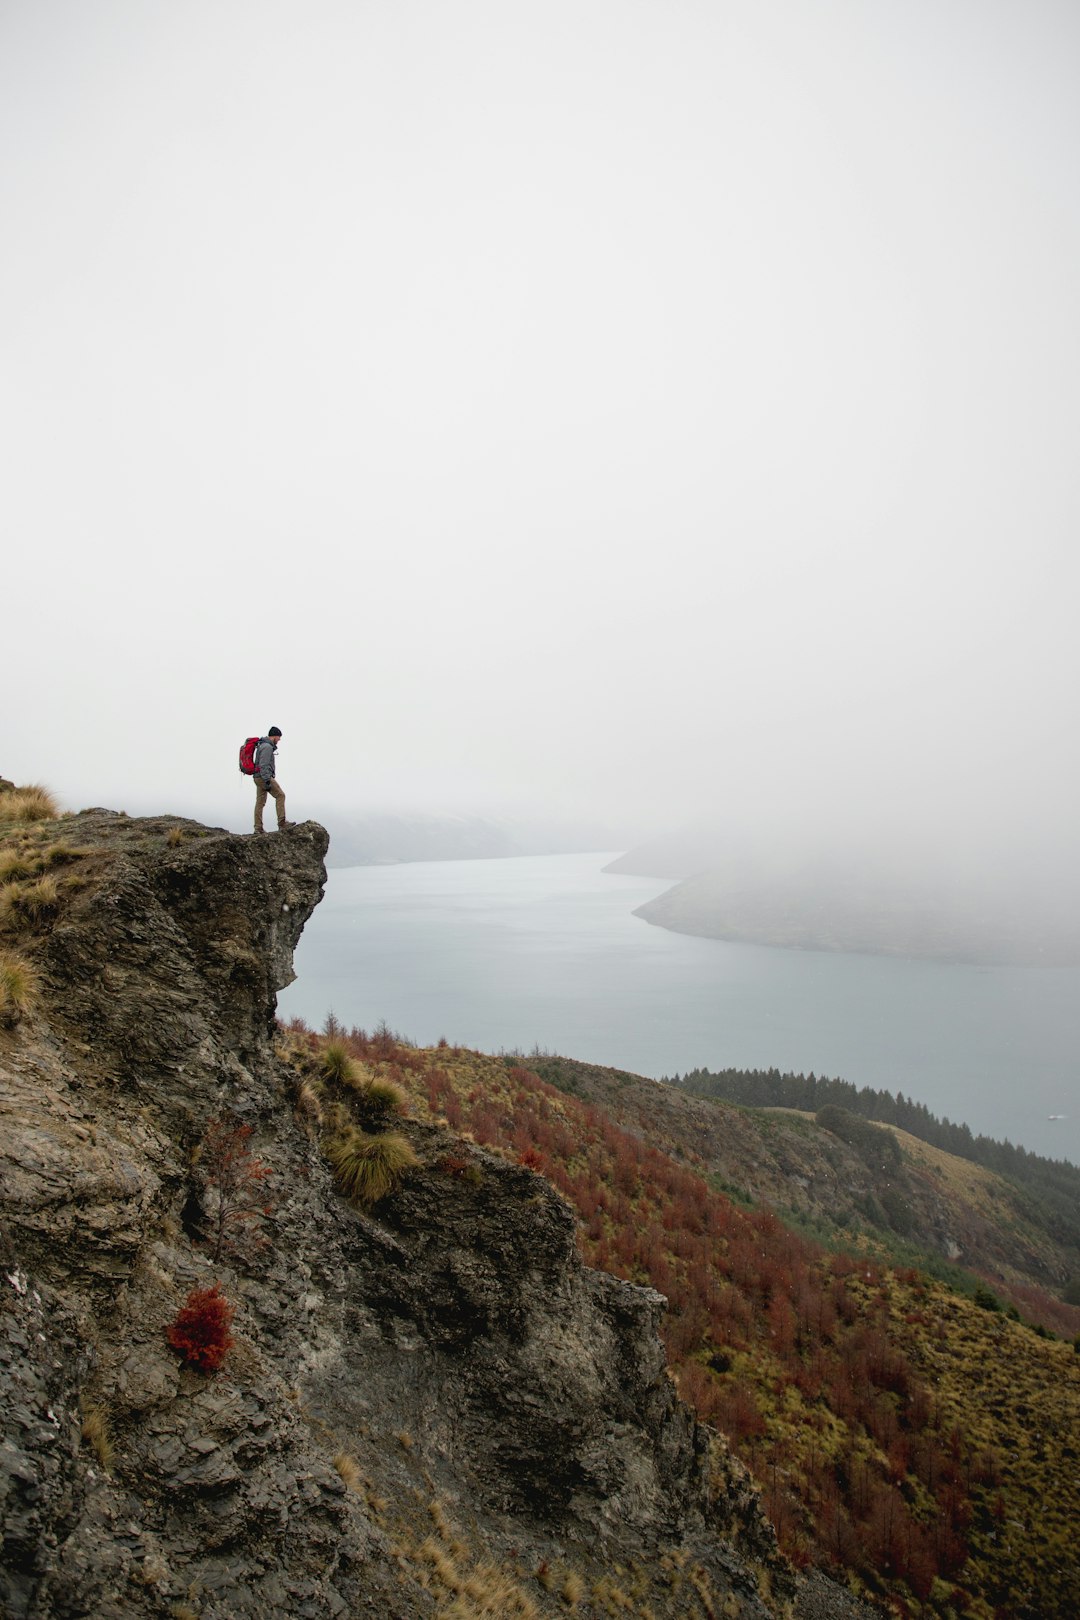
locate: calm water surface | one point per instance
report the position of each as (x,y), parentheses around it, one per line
(544,951)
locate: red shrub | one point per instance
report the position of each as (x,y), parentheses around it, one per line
(236,1177)
(201,1329)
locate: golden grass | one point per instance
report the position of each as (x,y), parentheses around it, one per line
(336,1064)
(31,803)
(18,864)
(20,987)
(367,1168)
(483,1592)
(62,854)
(378,1101)
(349,1469)
(309,1101)
(29,903)
(174,836)
(572,1590)
(95,1431)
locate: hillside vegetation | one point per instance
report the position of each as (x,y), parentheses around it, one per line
(916,1439)
(1042,1196)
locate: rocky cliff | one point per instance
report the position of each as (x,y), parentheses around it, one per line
(430,1409)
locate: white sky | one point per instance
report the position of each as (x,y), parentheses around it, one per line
(604,404)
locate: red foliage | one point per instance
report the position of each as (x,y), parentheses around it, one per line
(234,1174)
(741,1281)
(200,1330)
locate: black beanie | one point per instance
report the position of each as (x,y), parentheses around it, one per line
(275,731)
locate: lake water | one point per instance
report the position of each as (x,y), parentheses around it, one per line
(543,951)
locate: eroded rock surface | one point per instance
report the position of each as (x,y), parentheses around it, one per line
(446,1361)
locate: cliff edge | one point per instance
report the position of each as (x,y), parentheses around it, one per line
(431,1408)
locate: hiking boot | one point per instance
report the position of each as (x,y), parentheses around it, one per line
(260,832)
(286,826)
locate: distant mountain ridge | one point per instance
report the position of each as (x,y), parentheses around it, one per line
(830,902)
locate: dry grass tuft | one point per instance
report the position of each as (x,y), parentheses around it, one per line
(20,987)
(336,1064)
(309,1101)
(18,864)
(379,1101)
(572,1590)
(349,1469)
(367,1168)
(29,903)
(488,1594)
(62,854)
(95,1431)
(175,836)
(31,803)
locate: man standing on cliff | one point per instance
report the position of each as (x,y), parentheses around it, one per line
(266,781)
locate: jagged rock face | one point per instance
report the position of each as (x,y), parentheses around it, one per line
(452,1342)
(545,1380)
(173,962)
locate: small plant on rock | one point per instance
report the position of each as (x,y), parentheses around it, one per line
(20,988)
(96,1433)
(349,1469)
(367,1168)
(200,1330)
(29,903)
(234,1175)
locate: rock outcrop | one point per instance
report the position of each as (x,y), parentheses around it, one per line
(421,1403)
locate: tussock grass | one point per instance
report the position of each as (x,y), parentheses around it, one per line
(17,865)
(349,1469)
(20,987)
(336,1064)
(31,803)
(95,1431)
(309,1101)
(174,836)
(487,1594)
(378,1102)
(62,854)
(367,1168)
(29,903)
(572,1590)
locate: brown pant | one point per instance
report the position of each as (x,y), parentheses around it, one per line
(261,790)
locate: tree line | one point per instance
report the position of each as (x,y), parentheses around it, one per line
(1050,1188)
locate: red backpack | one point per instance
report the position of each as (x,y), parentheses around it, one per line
(247,755)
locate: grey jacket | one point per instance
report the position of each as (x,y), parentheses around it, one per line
(264,759)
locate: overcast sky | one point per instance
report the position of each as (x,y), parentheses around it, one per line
(615,405)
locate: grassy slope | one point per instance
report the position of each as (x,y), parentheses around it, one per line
(898,1430)
(934,1210)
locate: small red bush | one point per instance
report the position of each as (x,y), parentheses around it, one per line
(201,1329)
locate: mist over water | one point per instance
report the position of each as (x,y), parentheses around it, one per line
(544,951)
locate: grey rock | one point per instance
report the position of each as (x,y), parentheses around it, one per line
(454,1347)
